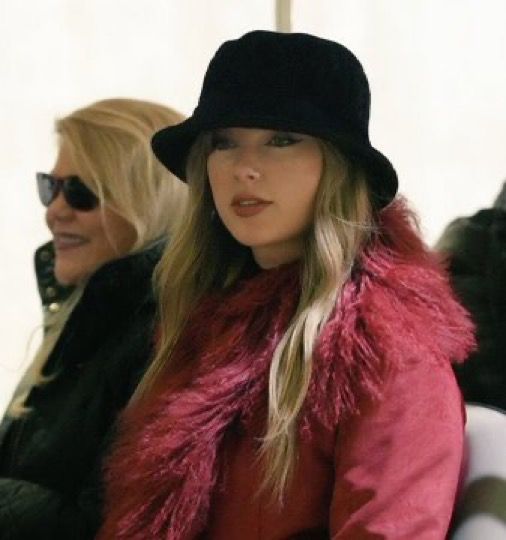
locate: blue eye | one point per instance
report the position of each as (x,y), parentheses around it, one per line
(283,139)
(220,142)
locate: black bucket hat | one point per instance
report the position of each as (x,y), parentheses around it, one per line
(292,82)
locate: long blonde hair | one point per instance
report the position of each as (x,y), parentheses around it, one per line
(194,265)
(109,145)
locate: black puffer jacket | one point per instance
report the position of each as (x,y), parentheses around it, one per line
(476,247)
(50,460)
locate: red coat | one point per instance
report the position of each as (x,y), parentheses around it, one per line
(390,473)
(380,433)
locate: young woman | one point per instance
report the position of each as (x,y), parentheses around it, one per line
(110,206)
(302,386)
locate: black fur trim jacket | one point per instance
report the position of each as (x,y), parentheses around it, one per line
(50,459)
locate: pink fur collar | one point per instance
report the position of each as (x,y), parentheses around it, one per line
(396,309)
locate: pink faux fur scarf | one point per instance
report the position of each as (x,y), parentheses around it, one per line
(396,309)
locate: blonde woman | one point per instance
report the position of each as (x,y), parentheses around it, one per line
(110,207)
(302,386)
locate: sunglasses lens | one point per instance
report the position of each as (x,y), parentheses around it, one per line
(78,195)
(47,188)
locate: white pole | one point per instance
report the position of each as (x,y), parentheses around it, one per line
(283,16)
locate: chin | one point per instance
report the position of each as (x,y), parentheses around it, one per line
(251,240)
(67,276)
(66,280)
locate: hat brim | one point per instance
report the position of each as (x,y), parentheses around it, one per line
(172,145)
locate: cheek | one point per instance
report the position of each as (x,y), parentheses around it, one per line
(217,183)
(89,222)
(115,234)
(214,168)
(300,183)
(311,168)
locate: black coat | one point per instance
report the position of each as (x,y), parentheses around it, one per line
(50,460)
(477,254)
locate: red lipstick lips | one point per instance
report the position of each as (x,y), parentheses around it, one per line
(248,205)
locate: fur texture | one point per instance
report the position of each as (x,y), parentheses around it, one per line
(396,309)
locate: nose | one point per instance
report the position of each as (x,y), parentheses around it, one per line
(246,168)
(59,209)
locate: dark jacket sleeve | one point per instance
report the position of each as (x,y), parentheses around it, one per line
(476,251)
(31,511)
(398,464)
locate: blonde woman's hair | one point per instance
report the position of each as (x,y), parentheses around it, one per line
(108,143)
(193,265)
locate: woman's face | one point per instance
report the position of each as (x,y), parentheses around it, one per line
(84,240)
(264,185)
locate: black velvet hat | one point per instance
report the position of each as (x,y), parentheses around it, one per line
(291,82)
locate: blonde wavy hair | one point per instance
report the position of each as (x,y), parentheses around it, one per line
(108,143)
(193,265)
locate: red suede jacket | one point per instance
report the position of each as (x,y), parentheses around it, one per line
(390,473)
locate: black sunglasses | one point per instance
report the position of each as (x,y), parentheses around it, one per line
(76,193)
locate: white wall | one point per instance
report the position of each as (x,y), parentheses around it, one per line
(436,69)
